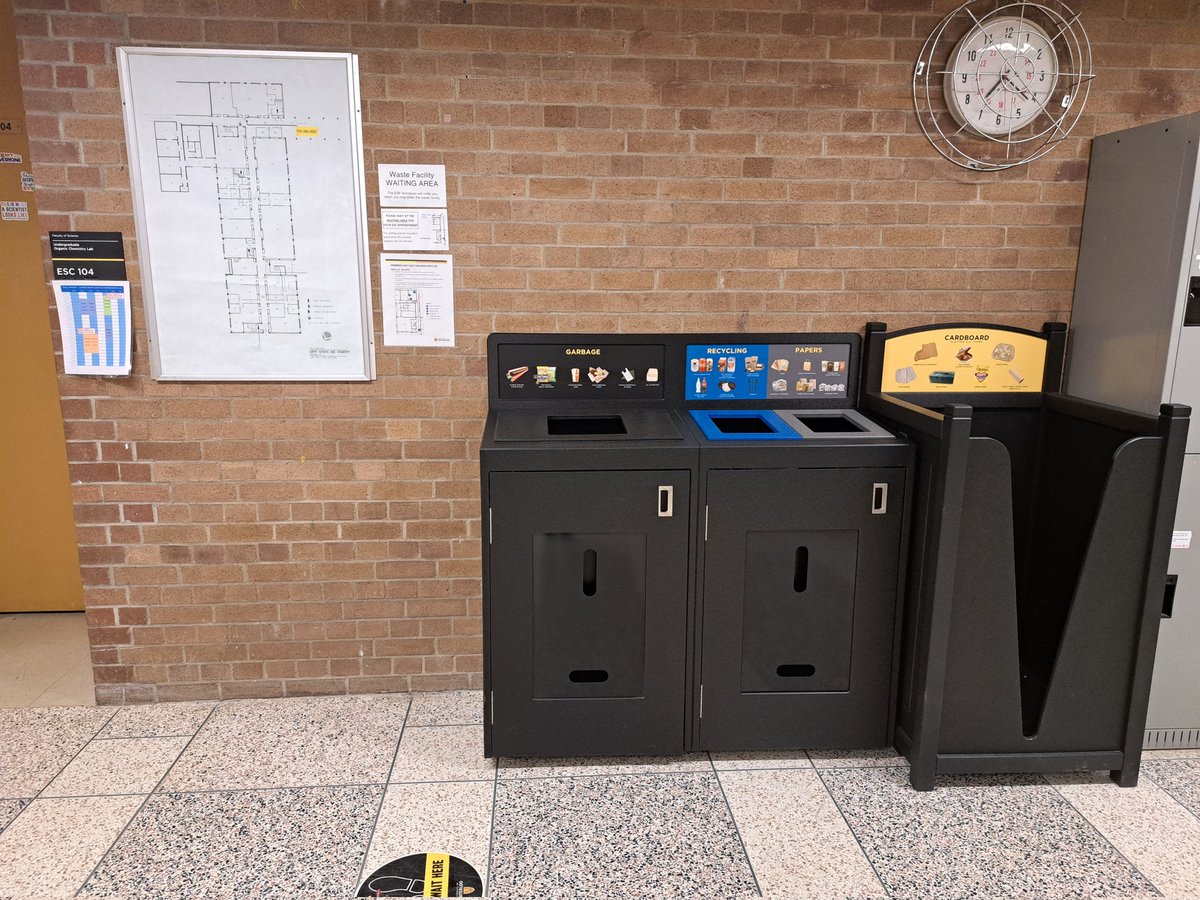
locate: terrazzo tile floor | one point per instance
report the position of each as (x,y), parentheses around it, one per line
(308,797)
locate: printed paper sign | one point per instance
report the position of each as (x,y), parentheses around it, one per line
(405,185)
(95,324)
(417,293)
(1181,540)
(6,157)
(27,181)
(415,229)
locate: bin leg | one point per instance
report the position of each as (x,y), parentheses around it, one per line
(1126,776)
(923,777)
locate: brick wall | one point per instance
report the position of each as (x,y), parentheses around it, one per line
(674,165)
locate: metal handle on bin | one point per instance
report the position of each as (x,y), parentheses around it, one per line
(666,500)
(879,498)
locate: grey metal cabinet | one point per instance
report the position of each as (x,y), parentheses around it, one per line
(588,598)
(800,572)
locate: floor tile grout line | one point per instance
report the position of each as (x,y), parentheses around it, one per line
(841,812)
(140,737)
(1162,787)
(1100,834)
(310,787)
(362,867)
(487,878)
(142,805)
(736,828)
(75,755)
(246,790)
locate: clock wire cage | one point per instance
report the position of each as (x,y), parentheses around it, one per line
(983,152)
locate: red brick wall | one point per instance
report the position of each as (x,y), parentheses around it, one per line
(674,165)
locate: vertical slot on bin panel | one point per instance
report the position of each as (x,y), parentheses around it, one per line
(800,572)
(589,573)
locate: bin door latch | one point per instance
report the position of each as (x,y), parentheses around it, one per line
(666,500)
(879,498)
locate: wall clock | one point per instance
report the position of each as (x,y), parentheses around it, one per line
(1000,83)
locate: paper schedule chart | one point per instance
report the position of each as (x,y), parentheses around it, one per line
(94,320)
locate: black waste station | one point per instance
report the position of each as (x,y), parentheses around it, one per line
(1041,529)
(689,542)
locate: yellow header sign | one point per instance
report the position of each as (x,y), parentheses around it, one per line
(962,359)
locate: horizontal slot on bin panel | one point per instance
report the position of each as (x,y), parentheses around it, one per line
(796,671)
(742,425)
(585,425)
(828,424)
(588,676)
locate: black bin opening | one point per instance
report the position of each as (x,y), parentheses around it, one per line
(742,425)
(585,425)
(828,424)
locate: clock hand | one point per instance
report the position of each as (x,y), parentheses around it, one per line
(995,87)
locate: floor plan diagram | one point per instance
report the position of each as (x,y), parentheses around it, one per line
(250,201)
(236,136)
(408,310)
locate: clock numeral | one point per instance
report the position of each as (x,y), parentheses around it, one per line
(972,55)
(967,101)
(1041,75)
(1008,33)
(981,115)
(1039,54)
(964,77)
(1018,111)
(987,39)
(997,120)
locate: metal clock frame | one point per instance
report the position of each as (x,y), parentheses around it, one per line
(968,148)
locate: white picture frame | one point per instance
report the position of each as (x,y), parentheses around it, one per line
(249,200)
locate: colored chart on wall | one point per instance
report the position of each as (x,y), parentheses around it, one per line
(94,319)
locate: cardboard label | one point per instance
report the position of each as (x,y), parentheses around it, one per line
(963,359)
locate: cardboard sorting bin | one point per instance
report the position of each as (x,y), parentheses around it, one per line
(1041,532)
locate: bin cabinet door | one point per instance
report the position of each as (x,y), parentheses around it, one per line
(587,612)
(799,604)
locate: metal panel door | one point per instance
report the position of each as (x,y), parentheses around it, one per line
(799,603)
(588,612)
(1173,719)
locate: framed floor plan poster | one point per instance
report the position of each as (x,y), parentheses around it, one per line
(247,171)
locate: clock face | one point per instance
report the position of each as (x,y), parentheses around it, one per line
(1000,76)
